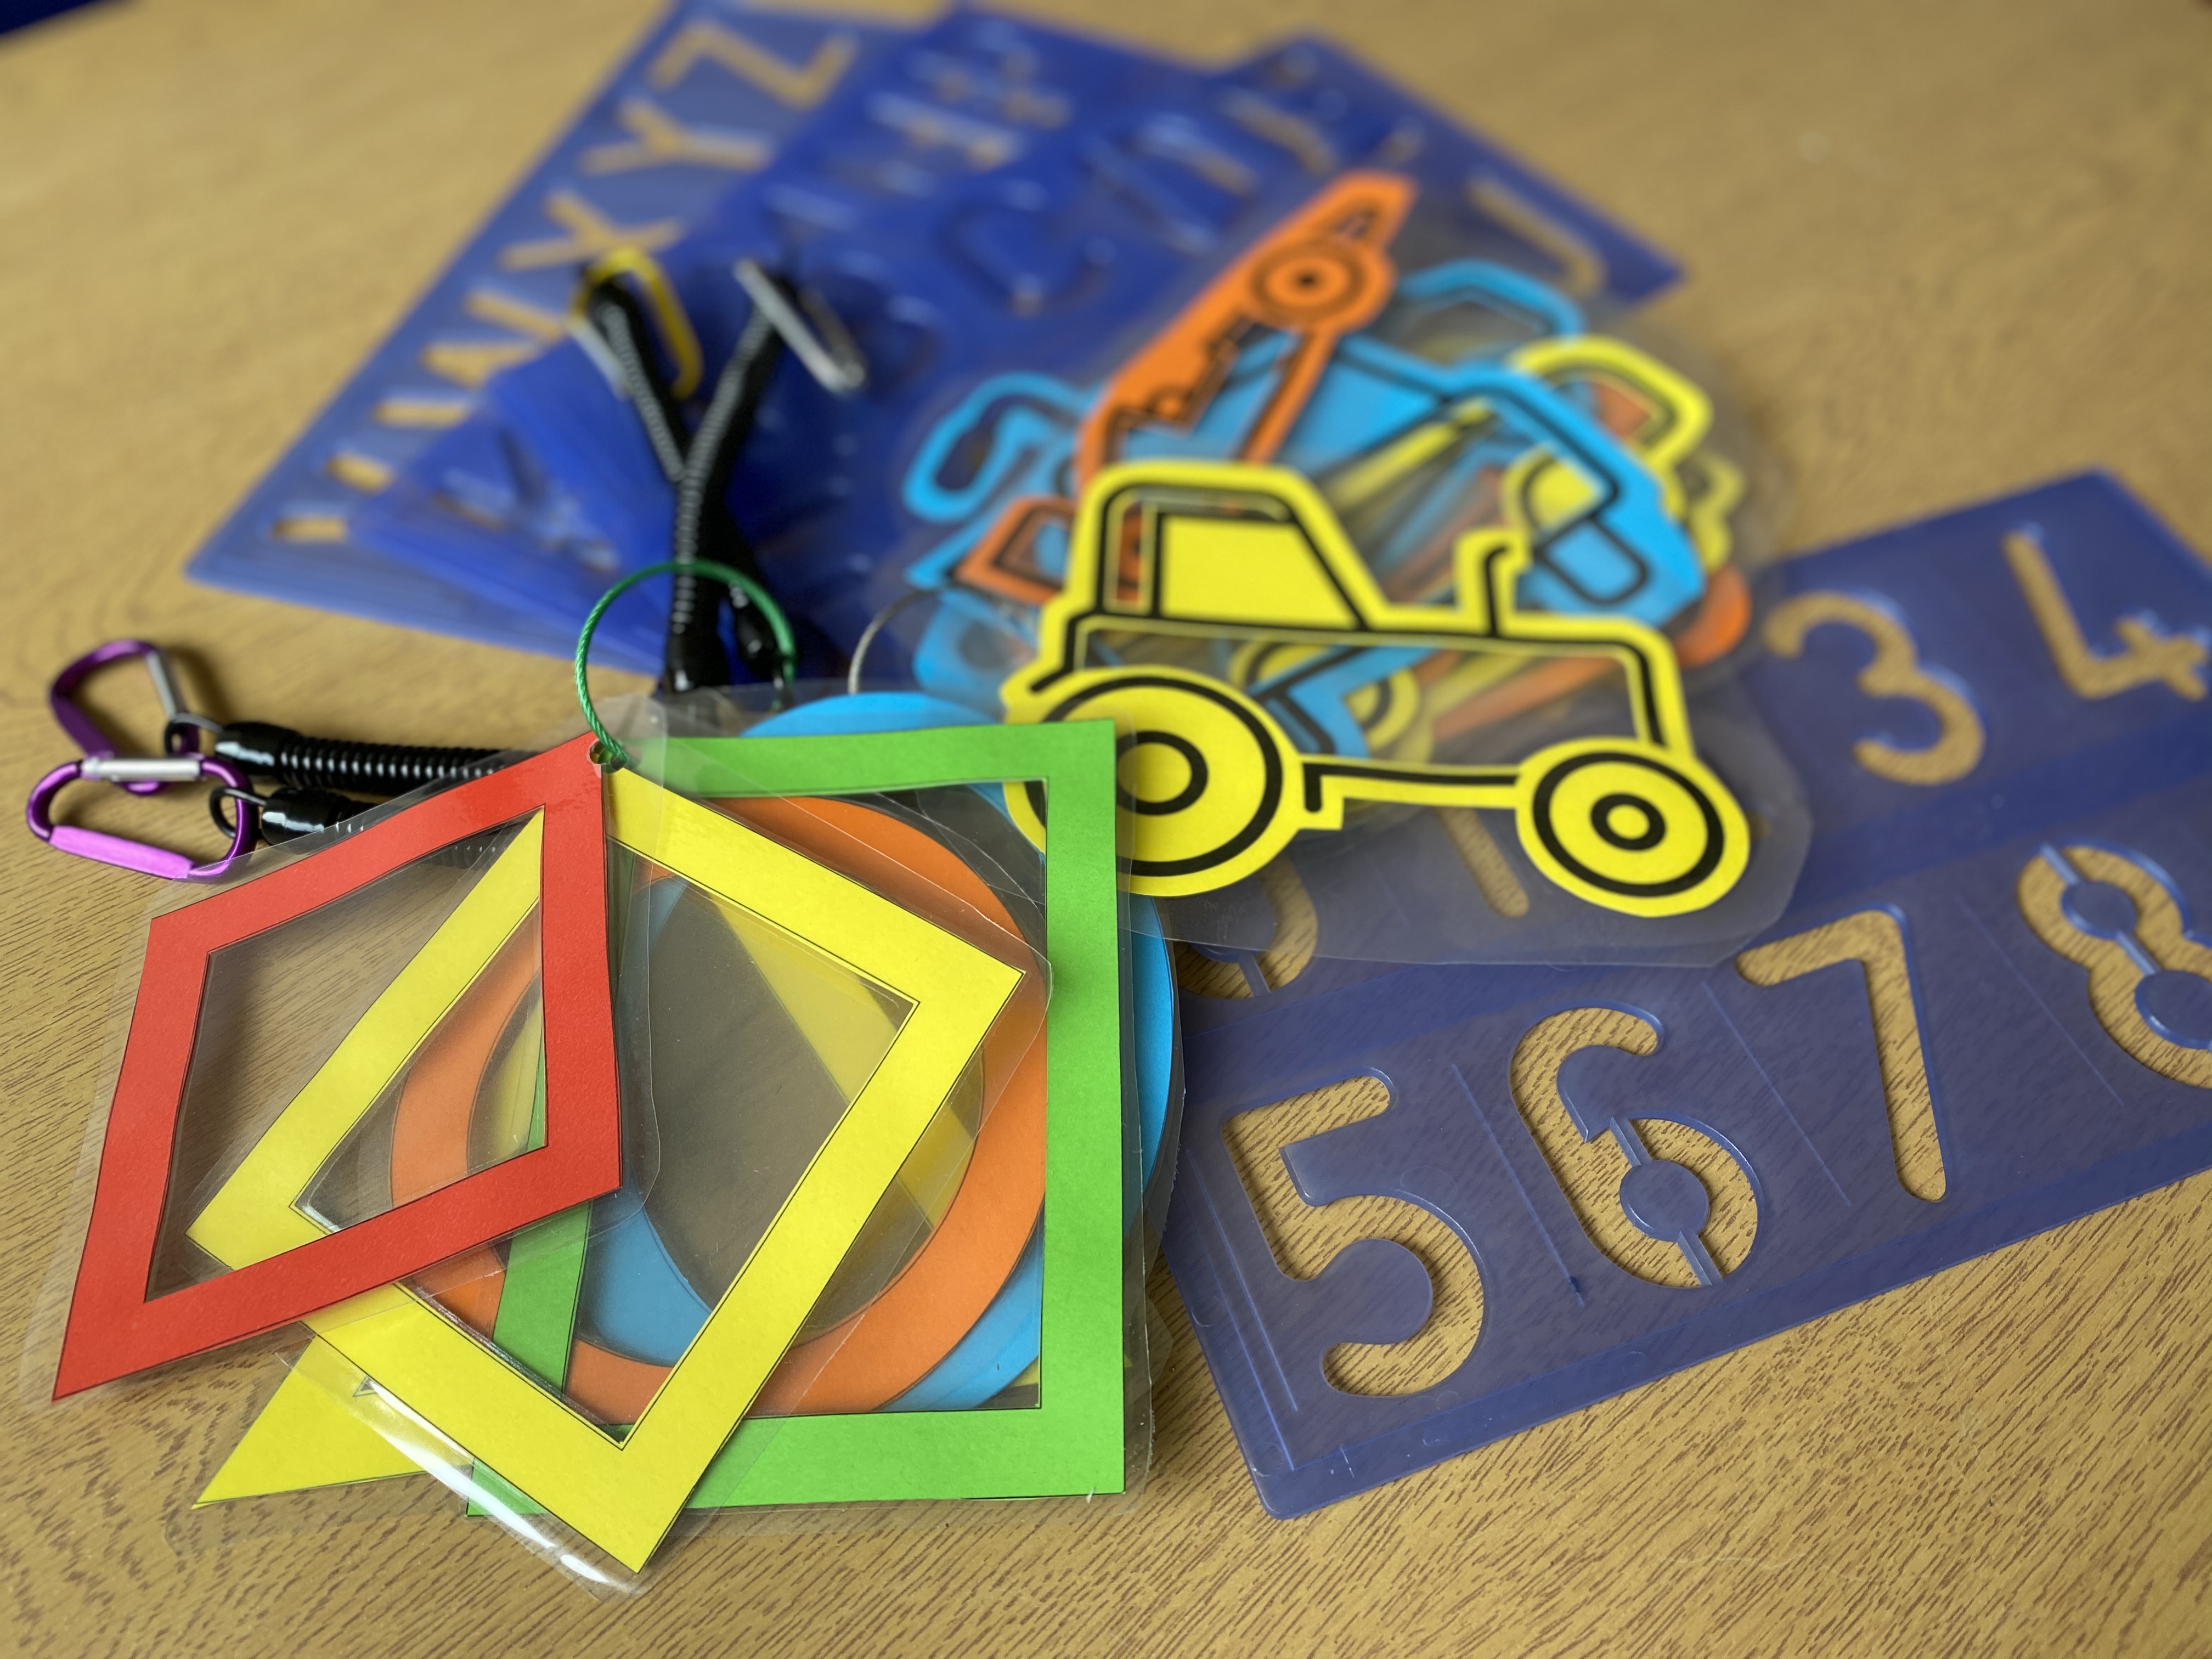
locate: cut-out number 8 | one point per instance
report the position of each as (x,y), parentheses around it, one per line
(2150,983)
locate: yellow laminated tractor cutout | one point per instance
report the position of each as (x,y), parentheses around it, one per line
(1212,784)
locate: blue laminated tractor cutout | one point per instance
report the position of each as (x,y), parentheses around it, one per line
(1409,401)
(1987,1011)
(1394,442)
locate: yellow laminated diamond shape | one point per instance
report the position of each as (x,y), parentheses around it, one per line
(624,1495)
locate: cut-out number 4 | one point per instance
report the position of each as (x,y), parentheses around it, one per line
(2152,654)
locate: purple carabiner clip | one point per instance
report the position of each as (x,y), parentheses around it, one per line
(160,773)
(89,739)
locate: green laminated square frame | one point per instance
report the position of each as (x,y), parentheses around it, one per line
(1072,1440)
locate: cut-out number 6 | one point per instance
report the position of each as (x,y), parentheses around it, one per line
(1660,1200)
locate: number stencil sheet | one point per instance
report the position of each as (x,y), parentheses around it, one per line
(1984,1014)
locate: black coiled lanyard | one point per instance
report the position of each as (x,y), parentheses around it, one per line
(316,782)
(622,299)
(316,779)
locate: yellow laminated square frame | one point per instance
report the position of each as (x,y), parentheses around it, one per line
(624,1496)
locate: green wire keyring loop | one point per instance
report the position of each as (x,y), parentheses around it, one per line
(610,750)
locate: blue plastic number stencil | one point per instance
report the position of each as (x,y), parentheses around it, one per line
(1987,1012)
(701,104)
(998,197)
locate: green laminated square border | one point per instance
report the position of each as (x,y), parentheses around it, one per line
(1071,1441)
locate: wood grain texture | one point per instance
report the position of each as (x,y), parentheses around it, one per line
(1938,253)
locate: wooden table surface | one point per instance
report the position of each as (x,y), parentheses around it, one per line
(1936,253)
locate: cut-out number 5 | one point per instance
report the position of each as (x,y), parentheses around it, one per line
(1305,1238)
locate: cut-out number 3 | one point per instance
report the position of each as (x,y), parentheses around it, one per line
(1895,671)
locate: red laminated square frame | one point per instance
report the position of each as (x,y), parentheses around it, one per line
(114,1329)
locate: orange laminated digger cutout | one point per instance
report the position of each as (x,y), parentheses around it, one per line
(1321,273)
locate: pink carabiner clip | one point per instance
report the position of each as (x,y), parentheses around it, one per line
(89,739)
(98,845)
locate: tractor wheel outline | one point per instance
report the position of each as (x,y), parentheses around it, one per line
(1596,845)
(1264,825)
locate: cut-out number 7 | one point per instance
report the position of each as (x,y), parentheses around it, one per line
(1873,939)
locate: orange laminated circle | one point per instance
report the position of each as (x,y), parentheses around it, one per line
(450,1066)
(450,1069)
(1717,626)
(876,1354)
(873,1356)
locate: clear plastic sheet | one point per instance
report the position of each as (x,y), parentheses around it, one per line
(1272,544)
(691,973)
(277,1007)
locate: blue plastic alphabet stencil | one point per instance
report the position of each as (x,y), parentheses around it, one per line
(699,105)
(1984,1013)
(550,489)
(997,196)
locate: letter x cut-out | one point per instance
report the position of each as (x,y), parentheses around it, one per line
(114,1327)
